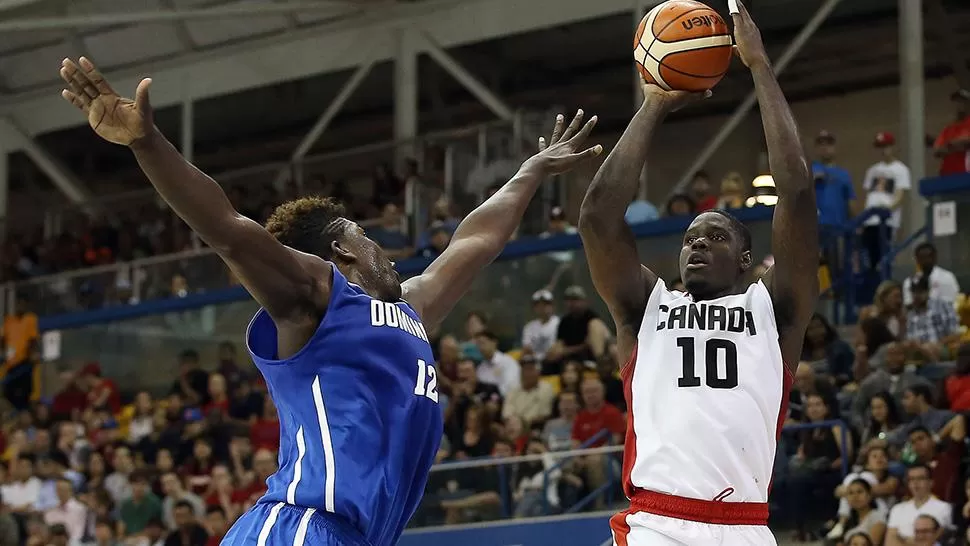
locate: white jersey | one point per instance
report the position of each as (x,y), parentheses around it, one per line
(707,391)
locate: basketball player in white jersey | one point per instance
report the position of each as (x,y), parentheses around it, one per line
(708,369)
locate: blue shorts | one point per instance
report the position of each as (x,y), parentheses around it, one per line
(281,524)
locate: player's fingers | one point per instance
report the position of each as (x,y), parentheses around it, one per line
(573,125)
(73,99)
(542,143)
(588,153)
(95,77)
(74,87)
(142,101)
(81,79)
(584,132)
(557,129)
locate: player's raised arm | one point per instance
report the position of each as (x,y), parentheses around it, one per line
(286,282)
(793,280)
(482,235)
(619,277)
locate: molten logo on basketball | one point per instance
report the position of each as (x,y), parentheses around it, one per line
(702,21)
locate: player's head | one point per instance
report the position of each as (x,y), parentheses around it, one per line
(715,255)
(317,225)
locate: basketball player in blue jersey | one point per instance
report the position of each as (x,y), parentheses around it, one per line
(342,343)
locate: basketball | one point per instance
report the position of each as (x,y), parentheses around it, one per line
(683,45)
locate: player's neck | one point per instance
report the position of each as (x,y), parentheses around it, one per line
(705,296)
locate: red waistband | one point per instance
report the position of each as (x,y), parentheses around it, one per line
(703,511)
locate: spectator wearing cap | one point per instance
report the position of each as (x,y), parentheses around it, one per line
(439,237)
(886,183)
(532,400)
(952,145)
(559,225)
(931,324)
(943,283)
(582,335)
(539,334)
(68,511)
(833,184)
(699,191)
(496,367)
(442,217)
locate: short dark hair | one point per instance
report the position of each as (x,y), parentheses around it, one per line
(185,504)
(307,224)
(916,466)
(919,283)
(923,391)
(488,334)
(140,475)
(106,522)
(926,245)
(920,428)
(215,509)
(739,228)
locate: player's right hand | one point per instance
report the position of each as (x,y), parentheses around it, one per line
(670,101)
(115,118)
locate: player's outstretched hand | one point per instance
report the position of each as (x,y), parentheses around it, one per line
(115,118)
(747,38)
(564,149)
(670,101)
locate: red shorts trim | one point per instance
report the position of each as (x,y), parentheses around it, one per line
(702,511)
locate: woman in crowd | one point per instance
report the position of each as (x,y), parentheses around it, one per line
(884,419)
(815,468)
(887,306)
(865,516)
(826,352)
(882,489)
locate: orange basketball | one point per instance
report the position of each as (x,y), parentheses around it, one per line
(684,45)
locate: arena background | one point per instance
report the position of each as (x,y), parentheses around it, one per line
(299,96)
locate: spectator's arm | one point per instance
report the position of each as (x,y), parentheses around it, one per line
(893,538)
(954,430)
(887,488)
(845,449)
(903,184)
(877,531)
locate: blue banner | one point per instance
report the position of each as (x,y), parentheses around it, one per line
(571,530)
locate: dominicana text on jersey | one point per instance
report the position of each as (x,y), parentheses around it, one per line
(359,422)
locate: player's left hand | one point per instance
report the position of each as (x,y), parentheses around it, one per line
(563,151)
(747,38)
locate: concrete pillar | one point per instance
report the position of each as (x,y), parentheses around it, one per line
(912,106)
(405,94)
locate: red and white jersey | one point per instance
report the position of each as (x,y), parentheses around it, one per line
(707,392)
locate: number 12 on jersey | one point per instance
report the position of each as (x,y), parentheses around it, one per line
(715,347)
(427,382)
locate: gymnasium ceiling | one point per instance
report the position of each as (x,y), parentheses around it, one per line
(584,63)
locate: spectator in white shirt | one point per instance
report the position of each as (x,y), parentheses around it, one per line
(902,518)
(117,483)
(21,493)
(943,283)
(886,184)
(69,512)
(496,367)
(539,334)
(532,401)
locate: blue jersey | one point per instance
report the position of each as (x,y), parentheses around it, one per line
(358,408)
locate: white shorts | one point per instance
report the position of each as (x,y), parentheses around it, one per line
(646,529)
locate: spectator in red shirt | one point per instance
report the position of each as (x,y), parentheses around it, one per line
(71,401)
(218,395)
(597,415)
(102,392)
(264,465)
(700,192)
(216,524)
(265,432)
(953,144)
(221,491)
(958,384)
(198,468)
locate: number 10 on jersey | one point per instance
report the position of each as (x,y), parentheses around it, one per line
(715,350)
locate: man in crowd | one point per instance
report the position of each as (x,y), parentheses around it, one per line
(943,283)
(903,516)
(532,400)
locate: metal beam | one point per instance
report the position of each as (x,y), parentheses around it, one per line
(69,184)
(316,49)
(318,128)
(912,107)
(4,187)
(187,125)
(26,24)
(406,97)
(732,123)
(492,101)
